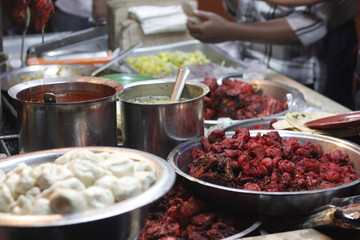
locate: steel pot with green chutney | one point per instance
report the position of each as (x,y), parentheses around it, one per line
(152,122)
(66,112)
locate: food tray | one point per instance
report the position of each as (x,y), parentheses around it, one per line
(212,52)
(269,203)
(295,99)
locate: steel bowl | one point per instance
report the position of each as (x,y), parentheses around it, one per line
(269,203)
(123,220)
(282,92)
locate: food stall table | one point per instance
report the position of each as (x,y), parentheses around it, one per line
(312,98)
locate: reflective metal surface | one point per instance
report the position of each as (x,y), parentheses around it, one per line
(13,77)
(250,123)
(269,203)
(69,124)
(211,51)
(123,220)
(158,128)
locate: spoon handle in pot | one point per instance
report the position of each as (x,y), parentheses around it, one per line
(179,83)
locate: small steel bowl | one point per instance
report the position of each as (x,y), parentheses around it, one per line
(268,203)
(122,220)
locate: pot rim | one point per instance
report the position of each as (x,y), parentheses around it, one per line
(205,90)
(14,90)
(13,76)
(165,180)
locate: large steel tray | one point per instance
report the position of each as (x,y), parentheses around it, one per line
(214,53)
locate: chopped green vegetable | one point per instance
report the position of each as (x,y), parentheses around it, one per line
(166,63)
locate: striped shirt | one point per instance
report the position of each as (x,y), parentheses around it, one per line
(304,61)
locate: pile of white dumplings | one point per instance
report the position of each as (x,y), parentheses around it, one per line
(76,181)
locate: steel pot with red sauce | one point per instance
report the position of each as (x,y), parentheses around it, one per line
(66,112)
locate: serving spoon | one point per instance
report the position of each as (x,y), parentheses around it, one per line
(181,77)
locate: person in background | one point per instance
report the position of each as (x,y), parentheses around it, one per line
(99,10)
(341,60)
(293,2)
(293,40)
(71,15)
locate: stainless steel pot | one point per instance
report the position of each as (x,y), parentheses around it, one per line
(269,203)
(73,120)
(123,220)
(158,128)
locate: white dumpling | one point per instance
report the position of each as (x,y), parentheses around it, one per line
(125,188)
(27,178)
(23,206)
(78,154)
(64,201)
(11,181)
(119,165)
(86,171)
(41,206)
(107,181)
(33,193)
(98,197)
(71,183)
(49,173)
(103,155)
(17,169)
(7,201)
(145,178)
(144,167)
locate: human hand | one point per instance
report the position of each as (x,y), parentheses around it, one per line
(212,29)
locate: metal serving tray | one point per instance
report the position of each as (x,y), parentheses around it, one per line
(212,52)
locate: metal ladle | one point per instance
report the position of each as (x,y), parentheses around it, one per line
(181,77)
(49,98)
(118,58)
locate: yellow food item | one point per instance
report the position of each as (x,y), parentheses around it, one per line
(166,63)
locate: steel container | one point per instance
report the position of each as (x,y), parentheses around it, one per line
(158,128)
(122,220)
(293,97)
(68,123)
(269,203)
